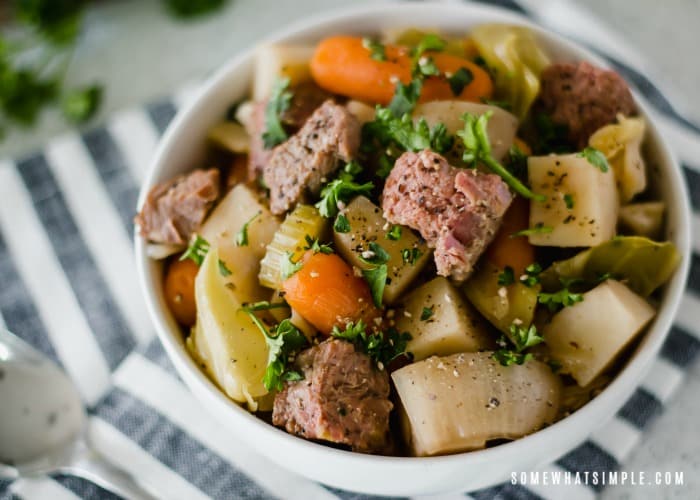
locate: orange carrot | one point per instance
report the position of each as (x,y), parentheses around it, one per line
(179,291)
(238,170)
(342,65)
(326,292)
(514,252)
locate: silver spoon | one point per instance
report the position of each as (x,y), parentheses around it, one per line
(43,423)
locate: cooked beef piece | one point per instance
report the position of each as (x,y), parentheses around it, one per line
(343,398)
(175,209)
(457,211)
(306,98)
(302,163)
(584,98)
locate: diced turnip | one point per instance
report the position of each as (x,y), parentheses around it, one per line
(280,61)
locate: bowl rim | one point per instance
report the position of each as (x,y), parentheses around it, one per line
(612,397)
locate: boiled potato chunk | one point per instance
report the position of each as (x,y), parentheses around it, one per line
(225,340)
(501,128)
(621,144)
(459,402)
(280,61)
(440,322)
(363,112)
(643,219)
(586,337)
(501,305)
(230,136)
(368,225)
(582,202)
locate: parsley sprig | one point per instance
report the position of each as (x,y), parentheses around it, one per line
(595,158)
(381,347)
(521,339)
(197,250)
(279,102)
(376,274)
(242,234)
(562,298)
(477,149)
(342,189)
(377,51)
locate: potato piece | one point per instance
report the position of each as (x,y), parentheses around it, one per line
(226,341)
(280,61)
(501,305)
(643,219)
(363,112)
(366,225)
(459,402)
(582,201)
(450,325)
(230,136)
(586,337)
(502,126)
(621,144)
(239,207)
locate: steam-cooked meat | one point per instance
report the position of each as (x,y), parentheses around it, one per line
(457,211)
(331,134)
(306,98)
(175,209)
(344,398)
(584,98)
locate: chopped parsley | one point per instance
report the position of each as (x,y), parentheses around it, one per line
(531,276)
(405,97)
(376,255)
(521,338)
(427,313)
(539,228)
(279,102)
(342,189)
(242,235)
(559,300)
(460,79)
(288,267)
(431,42)
(341,225)
(595,158)
(376,275)
(197,250)
(411,255)
(569,201)
(317,247)
(427,66)
(381,347)
(282,345)
(507,277)
(477,149)
(394,233)
(223,269)
(377,51)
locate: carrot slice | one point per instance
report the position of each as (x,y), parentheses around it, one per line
(326,292)
(179,291)
(514,252)
(342,65)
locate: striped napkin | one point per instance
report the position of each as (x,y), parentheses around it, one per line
(68,287)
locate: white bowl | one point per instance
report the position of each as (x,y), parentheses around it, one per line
(182,148)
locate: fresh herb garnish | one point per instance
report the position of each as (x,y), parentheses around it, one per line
(507,277)
(595,158)
(376,275)
(477,149)
(405,97)
(559,300)
(521,338)
(427,313)
(411,255)
(569,201)
(197,250)
(288,267)
(317,247)
(394,233)
(431,42)
(282,345)
(242,234)
(377,51)
(531,276)
(341,224)
(223,269)
(382,347)
(376,255)
(279,102)
(539,228)
(427,67)
(460,79)
(342,190)
(499,104)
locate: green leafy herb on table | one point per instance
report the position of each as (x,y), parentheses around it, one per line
(186,9)
(80,105)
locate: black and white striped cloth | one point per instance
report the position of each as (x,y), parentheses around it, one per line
(68,286)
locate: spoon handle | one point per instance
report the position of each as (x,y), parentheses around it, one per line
(92,466)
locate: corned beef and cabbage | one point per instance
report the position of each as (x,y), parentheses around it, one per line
(415,244)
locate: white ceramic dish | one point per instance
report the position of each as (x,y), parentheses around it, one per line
(183,147)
